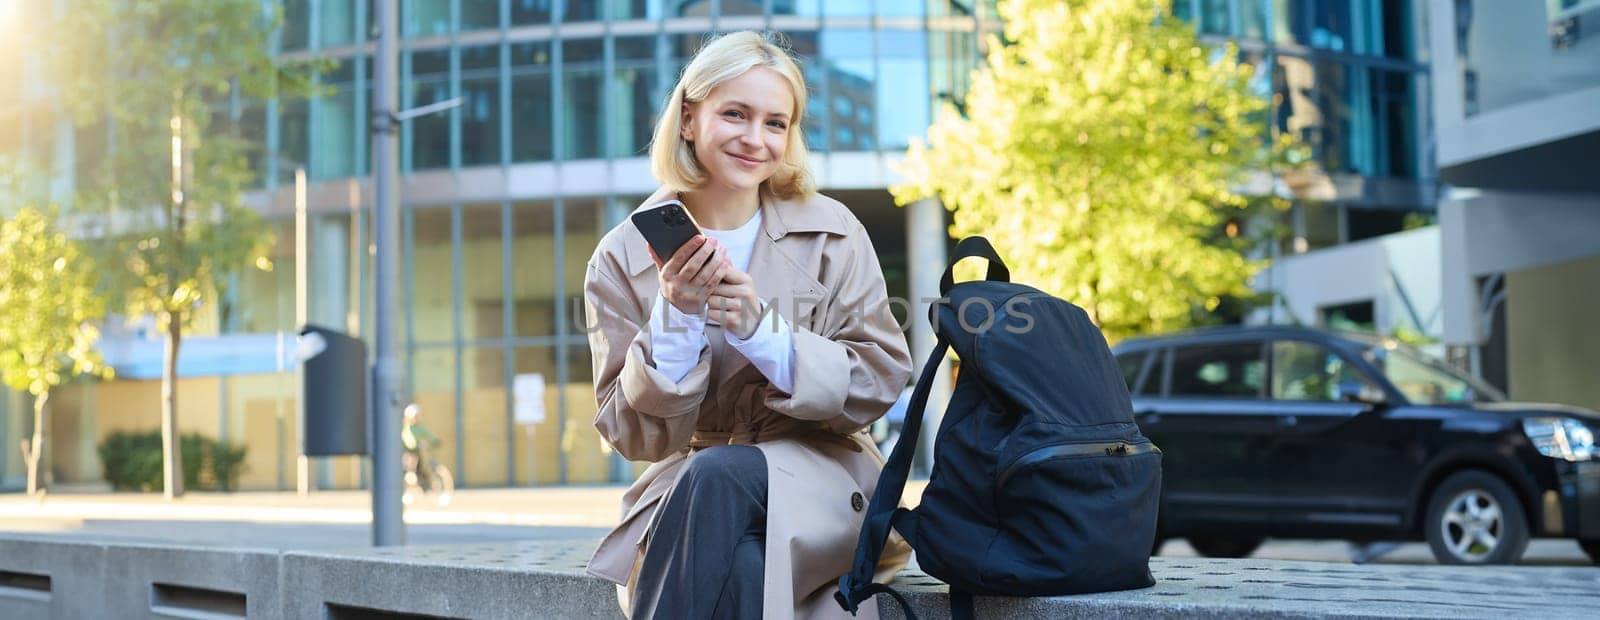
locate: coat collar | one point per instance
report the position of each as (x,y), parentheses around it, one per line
(779,218)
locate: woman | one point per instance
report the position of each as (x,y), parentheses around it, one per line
(747,365)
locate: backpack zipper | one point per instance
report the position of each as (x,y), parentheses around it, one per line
(1108,448)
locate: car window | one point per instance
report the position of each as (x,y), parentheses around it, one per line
(1427,383)
(1131,364)
(1306,371)
(1221,370)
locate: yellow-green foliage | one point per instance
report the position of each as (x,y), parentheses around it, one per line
(1099,151)
(48,306)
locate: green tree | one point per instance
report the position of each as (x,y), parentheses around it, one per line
(1099,151)
(158,78)
(48,312)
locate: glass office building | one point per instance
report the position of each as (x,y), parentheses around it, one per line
(504,197)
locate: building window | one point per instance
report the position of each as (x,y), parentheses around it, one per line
(634,9)
(427,18)
(337,124)
(431,268)
(480,15)
(531,138)
(581,12)
(636,94)
(806,8)
(295,33)
(902,87)
(533,287)
(482,273)
(846,8)
(337,24)
(525,12)
(803,46)
(847,61)
(430,134)
(480,110)
(294,136)
(582,83)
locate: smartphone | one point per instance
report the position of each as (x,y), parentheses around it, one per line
(666,226)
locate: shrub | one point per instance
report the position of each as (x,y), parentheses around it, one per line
(132,462)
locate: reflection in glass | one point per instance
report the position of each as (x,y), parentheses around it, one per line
(429,255)
(1214,17)
(582,82)
(583,226)
(524,12)
(530,102)
(1253,19)
(430,134)
(432,378)
(633,9)
(338,23)
(480,14)
(337,125)
(533,260)
(480,110)
(635,94)
(807,8)
(585,11)
(902,86)
(847,65)
(803,46)
(296,30)
(484,415)
(482,268)
(425,18)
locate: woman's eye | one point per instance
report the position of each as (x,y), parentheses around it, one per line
(733,114)
(778,125)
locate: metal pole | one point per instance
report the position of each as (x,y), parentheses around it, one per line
(388,523)
(301,258)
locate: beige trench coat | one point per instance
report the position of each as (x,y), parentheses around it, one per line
(813,260)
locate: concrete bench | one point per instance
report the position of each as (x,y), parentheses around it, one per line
(65,578)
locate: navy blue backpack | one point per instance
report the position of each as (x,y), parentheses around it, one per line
(1041,484)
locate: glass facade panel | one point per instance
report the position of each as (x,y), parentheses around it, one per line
(1254,19)
(294,135)
(633,9)
(538,445)
(338,123)
(252,128)
(907,8)
(1511,53)
(480,14)
(583,87)
(740,7)
(526,12)
(426,18)
(807,8)
(480,112)
(430,264)
(430,134)
(587,11)
(846,8)
(337,25)
(1214,17)
(432,377)
(265,301)
(803,45)
(636,94)
(485,416)
(531,138)
(482,273)
(584,225)
(903,87)
(847,63)
(295,33)
(533,255)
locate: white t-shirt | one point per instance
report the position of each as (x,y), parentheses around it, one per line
(676,338)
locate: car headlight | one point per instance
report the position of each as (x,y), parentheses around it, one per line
(1561,438)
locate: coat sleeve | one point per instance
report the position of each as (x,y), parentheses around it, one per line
(642,413)
(851,361)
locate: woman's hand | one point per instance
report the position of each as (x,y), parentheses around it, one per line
(734,304)
(688,277)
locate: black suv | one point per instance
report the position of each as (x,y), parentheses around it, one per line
(1291,432)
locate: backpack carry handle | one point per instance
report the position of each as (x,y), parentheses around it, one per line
(969,247)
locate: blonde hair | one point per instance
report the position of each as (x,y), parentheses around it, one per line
(724,58)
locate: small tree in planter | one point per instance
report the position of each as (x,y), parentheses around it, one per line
(48,308)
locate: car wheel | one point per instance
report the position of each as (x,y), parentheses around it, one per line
(1224,547)
(1591,547)
(1474,518)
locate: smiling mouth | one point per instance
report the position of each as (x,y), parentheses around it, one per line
(745,159)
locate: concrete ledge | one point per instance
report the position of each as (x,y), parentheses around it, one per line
(545,579)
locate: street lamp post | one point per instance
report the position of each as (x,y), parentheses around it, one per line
(388,525)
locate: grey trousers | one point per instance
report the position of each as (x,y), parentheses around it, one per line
(706,555)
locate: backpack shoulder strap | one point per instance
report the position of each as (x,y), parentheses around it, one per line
(854,586)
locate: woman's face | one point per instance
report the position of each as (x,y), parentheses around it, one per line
(741,130)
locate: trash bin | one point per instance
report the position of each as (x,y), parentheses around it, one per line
(334,393)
